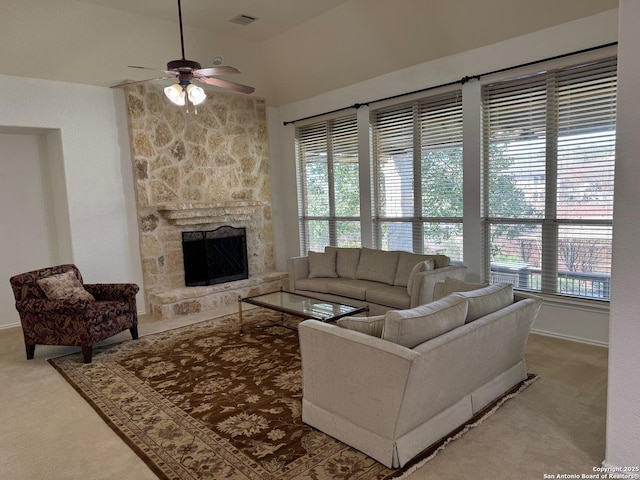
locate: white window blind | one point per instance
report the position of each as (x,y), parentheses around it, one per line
(417,148)
(328,184)
(549,157)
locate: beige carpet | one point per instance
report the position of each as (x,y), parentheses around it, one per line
(205,402)
(48,431)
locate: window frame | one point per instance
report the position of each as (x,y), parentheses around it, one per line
(332,219)
(550,223)
(417,220)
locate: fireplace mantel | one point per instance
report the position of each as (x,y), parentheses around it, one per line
(210,213)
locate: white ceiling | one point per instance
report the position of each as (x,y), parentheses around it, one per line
(297,49)
(274,16)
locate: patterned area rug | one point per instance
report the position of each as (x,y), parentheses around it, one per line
(204,402)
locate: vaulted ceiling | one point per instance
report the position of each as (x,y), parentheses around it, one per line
(295,49)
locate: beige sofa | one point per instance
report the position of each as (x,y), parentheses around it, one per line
(381,279)
(394,396)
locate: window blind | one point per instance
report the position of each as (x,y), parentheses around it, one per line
(328,184)
(417,148)
(548,169)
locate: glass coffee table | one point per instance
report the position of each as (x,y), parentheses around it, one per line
(300,306)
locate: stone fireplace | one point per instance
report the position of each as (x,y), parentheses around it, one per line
(199,172)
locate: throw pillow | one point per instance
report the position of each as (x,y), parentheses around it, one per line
(369,325)
(451,285)
(412,327)
(486,300)
(64,286)
(406,262)
(322,265)
(420,267)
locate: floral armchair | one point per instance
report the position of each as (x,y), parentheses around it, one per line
(57,308)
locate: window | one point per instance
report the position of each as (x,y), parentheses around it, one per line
(328,184)
(417,150)
(548,170)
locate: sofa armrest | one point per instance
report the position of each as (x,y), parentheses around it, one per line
(355,376)
(298,268)
(424,282)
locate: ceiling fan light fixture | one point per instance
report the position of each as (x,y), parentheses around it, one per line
(196,94)
(176,94)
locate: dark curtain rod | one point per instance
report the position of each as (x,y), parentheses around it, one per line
(462,81)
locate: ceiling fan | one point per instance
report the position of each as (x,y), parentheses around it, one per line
(185,71)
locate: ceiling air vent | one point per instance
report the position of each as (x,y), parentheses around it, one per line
(243,19)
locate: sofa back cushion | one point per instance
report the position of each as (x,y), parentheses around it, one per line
(486,300)
(377,266)
(452,285)
(440,261)
(346,261)
(412,327)
(322,264)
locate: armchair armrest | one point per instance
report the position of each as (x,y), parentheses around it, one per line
(112,291)
(41,305)
(298,268)
(425,281)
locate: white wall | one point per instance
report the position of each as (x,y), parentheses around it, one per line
(623,400)
(580,324)
(28,236)
(90,173)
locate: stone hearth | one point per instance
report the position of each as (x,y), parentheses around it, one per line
(199,172)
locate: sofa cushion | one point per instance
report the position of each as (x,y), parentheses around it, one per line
(451,285)
(313,284)
(346,261)
(420,267)
(369,325)
(390,295)
(406,262)
(64,286)
(377,265)
(486,300)
(322,265)
(350,288)
(412,327)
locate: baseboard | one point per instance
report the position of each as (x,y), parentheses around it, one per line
(570,338)
(11,325)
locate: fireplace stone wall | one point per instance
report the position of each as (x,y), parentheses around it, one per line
(198,172)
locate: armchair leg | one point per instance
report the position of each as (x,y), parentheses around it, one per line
(31,349)
(134,332)
(87,353)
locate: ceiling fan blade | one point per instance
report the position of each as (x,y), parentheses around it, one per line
(219,82)
(124,84)
(213,71)
(168,72)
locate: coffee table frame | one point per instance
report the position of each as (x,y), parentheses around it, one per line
(256,300)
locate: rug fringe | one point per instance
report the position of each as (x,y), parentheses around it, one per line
(467,427)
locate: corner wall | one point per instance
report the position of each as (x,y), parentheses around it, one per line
(623,407)
(89,172)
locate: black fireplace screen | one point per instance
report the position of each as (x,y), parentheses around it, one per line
(215,256)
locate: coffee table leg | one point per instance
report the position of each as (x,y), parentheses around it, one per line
(240,312)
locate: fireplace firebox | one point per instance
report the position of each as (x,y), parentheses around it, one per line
(215,256)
